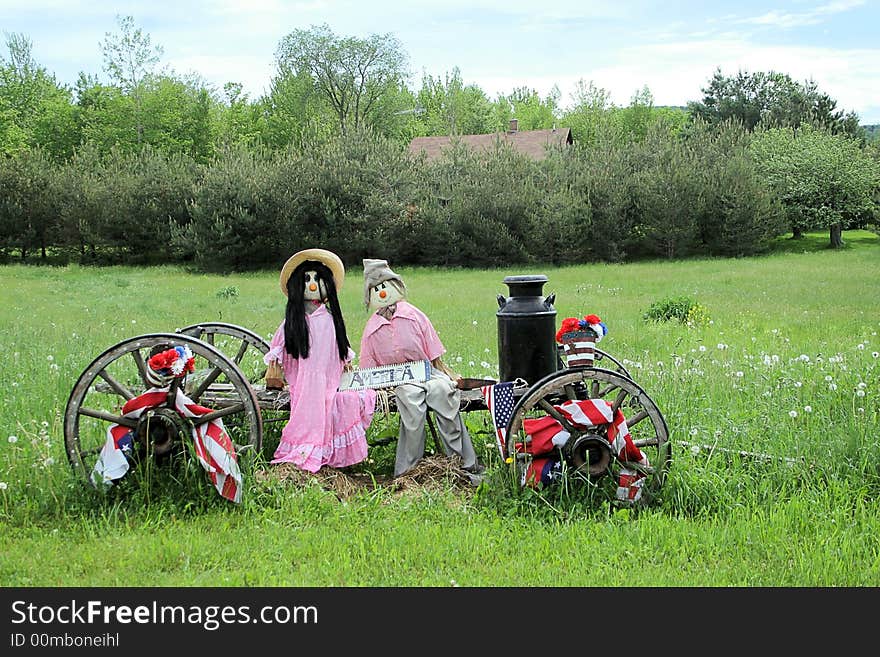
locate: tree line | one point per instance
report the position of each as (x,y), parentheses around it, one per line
(156,167)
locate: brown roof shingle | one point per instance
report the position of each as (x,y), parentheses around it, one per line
(532,143)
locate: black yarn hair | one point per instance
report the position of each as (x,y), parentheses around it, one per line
(296,331)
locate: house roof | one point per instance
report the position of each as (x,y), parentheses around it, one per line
(532,143)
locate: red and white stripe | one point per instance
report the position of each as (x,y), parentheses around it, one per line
(580,353)
(587,413)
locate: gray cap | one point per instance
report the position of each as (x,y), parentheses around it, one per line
(375,272)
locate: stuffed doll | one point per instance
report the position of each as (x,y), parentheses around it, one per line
(327,427)
(398,332)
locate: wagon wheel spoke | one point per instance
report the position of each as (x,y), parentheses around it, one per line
(638,417)
(196,394)
(242,350)
(604,392)
(120,389)
(588,453)
(618,401)
(107,417)
(223,412)
(552,412)
(141,366)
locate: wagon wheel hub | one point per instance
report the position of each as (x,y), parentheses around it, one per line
(588,453)
(159,428)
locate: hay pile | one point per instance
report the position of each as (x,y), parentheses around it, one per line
(435,473)
(335,481)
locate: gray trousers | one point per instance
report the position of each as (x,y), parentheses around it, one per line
(413,401)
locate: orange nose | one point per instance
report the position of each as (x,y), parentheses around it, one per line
(313,287)
(382,294)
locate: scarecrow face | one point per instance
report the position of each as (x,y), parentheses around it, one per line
(384,294)
(315,289)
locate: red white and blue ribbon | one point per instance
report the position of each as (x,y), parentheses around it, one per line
(213,446)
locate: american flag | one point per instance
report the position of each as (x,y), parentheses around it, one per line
(499,401)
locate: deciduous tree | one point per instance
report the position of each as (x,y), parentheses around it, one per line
(824,180)
(352,75)
(129,57)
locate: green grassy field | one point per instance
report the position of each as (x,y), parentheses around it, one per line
(787,368)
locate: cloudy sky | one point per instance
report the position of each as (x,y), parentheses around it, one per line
(620,46)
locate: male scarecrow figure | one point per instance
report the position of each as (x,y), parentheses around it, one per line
(398,332)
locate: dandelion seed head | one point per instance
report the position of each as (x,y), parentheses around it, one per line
(792,414)
(13,439)
(860,393)
(3,485)
(808,409)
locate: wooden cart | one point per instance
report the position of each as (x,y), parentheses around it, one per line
(229,378)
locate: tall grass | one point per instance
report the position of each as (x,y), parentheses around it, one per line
(772,407)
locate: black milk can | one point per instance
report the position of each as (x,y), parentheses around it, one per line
(526,330)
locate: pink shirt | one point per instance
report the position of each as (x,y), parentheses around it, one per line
(408,336)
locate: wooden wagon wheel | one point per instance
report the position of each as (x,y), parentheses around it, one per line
(119,374)
(244,347)
(583,456)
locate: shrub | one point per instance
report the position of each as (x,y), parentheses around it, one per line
(228,292)
(682,309)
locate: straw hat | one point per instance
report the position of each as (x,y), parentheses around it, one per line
(329,258)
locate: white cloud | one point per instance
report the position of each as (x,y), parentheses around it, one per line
(813,17)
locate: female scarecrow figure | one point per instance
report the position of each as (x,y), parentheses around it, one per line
(398,332)
(327,427)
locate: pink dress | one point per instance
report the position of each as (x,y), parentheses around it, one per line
(326,426)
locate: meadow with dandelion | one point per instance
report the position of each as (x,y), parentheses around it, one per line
(769,383)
